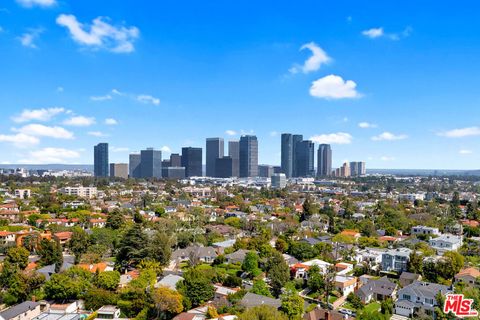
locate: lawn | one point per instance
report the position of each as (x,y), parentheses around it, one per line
(374,306)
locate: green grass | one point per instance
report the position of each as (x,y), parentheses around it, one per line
(371,307)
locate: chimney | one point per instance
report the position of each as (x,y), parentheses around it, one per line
(34,299)
(328,315)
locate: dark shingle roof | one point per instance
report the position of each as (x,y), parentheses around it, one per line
(18,309)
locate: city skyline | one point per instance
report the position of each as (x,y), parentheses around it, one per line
(377,87)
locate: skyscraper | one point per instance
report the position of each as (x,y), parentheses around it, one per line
(192,161)
(357,168)
(224,167)
(265,170)
(248,156)
(119,170)
(296,139)
(175,160)
(150,163)
(214,150)
(324,160)
(134,165)
(100,160)
(234,153)
(287,154)
(304,155)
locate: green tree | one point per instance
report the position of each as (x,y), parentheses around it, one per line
(115,220)
(315,280)
(278,272)
(250,264)
(355,301)
(261,288)
(94,298)
(292,304)
(415,264)
(78,243)
(262,312)
(17,256)
(196,287)
(168,302)
(160,248)
(50,253)
(133,247)
(107,280)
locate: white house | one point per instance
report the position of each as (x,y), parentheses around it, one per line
(446,242)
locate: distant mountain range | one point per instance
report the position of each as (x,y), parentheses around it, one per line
(400,172)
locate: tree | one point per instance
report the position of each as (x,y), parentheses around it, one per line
(133,247)
(232,281)
(160,248)
(250,264)
(96,297)
(355,301)
(278,272)
(115,220)
(387,306)
(262,312)
(17,256)
(415,264)
(62,287)
(292,304)
(212,312)
(281,245)
(50,253)
(315,280)
(302,250)
(78,243)
(261,288)
(196,287)
(168,302)
(107,280)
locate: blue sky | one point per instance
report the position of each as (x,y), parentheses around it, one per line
(392,83)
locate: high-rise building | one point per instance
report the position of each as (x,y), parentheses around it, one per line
(134,165)
(279,181)
(119,170)
(192,161)
(150,163)
(175,160)
(296,139)
(287,154)
(265,170)
(324,160)
(165,164)
(234,153)
(357,168)
(304,155)
(224,167)
(173,172)
(248,156)
(100,160)
(214,150)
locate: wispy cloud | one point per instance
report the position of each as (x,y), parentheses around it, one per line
(111,122)
(166,149)
(388,136)
(145,98)
(318,58)
(465,151)
(28,38)
(142,98)
(36,3)
(20,140)
(79,121)
(231,132)
(379,32)
(333,138)
(97,134)
(101,98)
(100,34)
(461,132)
(366,125)
(43,114)
(333,87)
(40,130)
(50,155)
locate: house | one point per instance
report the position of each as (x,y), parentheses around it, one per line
(290,260)
(419,296)
(23,311)
(7,238)
(63,237)
(468,277)
(189,316)
(351,233)
(446,242)
(203,254)
(423,230)
(377,290)
(407,278)
(96,267)
(67,308)
(108,312)
(251,300)
(345,284)
(169,281)
(301,269)
(221,295)
(237,256)
(324,314)
(371,256)
(396,259)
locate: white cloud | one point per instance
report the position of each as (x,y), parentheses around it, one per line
(38,3)
(366,125)
(101,98)
(28,38)
(333,138)
(50,155)
(465,151)
(314,62)
(334,87)
(115,91)
(166,149)
(97,134)
(40,130)
(231,132)
(387,158)
(60,89)
(79,121)
(38,114)
(111,122)
(273,133)
(373,33)
(100,34)
(119,149)
(20,140)
(462,132)
(145,98)
(388,136)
